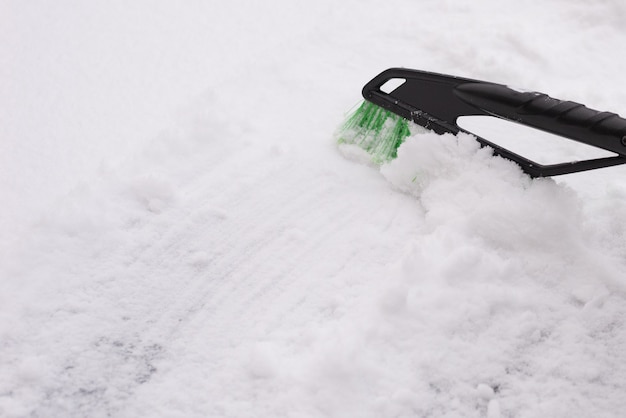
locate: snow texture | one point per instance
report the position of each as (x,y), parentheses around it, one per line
(181,236)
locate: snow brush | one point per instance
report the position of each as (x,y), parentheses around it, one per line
(436,101)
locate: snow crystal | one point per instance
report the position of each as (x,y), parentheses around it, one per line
(484,391)
(154,193)
(493,409)
(262,362)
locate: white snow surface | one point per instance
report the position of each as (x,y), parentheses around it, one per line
(181,236)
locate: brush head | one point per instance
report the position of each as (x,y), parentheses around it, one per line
(376,130)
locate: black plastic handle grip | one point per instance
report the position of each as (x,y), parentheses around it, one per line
(569,119)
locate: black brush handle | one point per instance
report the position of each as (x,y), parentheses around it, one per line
(436,101)
(570,119)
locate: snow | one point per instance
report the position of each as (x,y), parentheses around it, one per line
(181,237)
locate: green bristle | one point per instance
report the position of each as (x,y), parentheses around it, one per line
(376,130)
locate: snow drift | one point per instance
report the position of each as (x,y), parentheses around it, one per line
(230,262)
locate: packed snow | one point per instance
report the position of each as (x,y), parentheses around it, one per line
(182,236)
